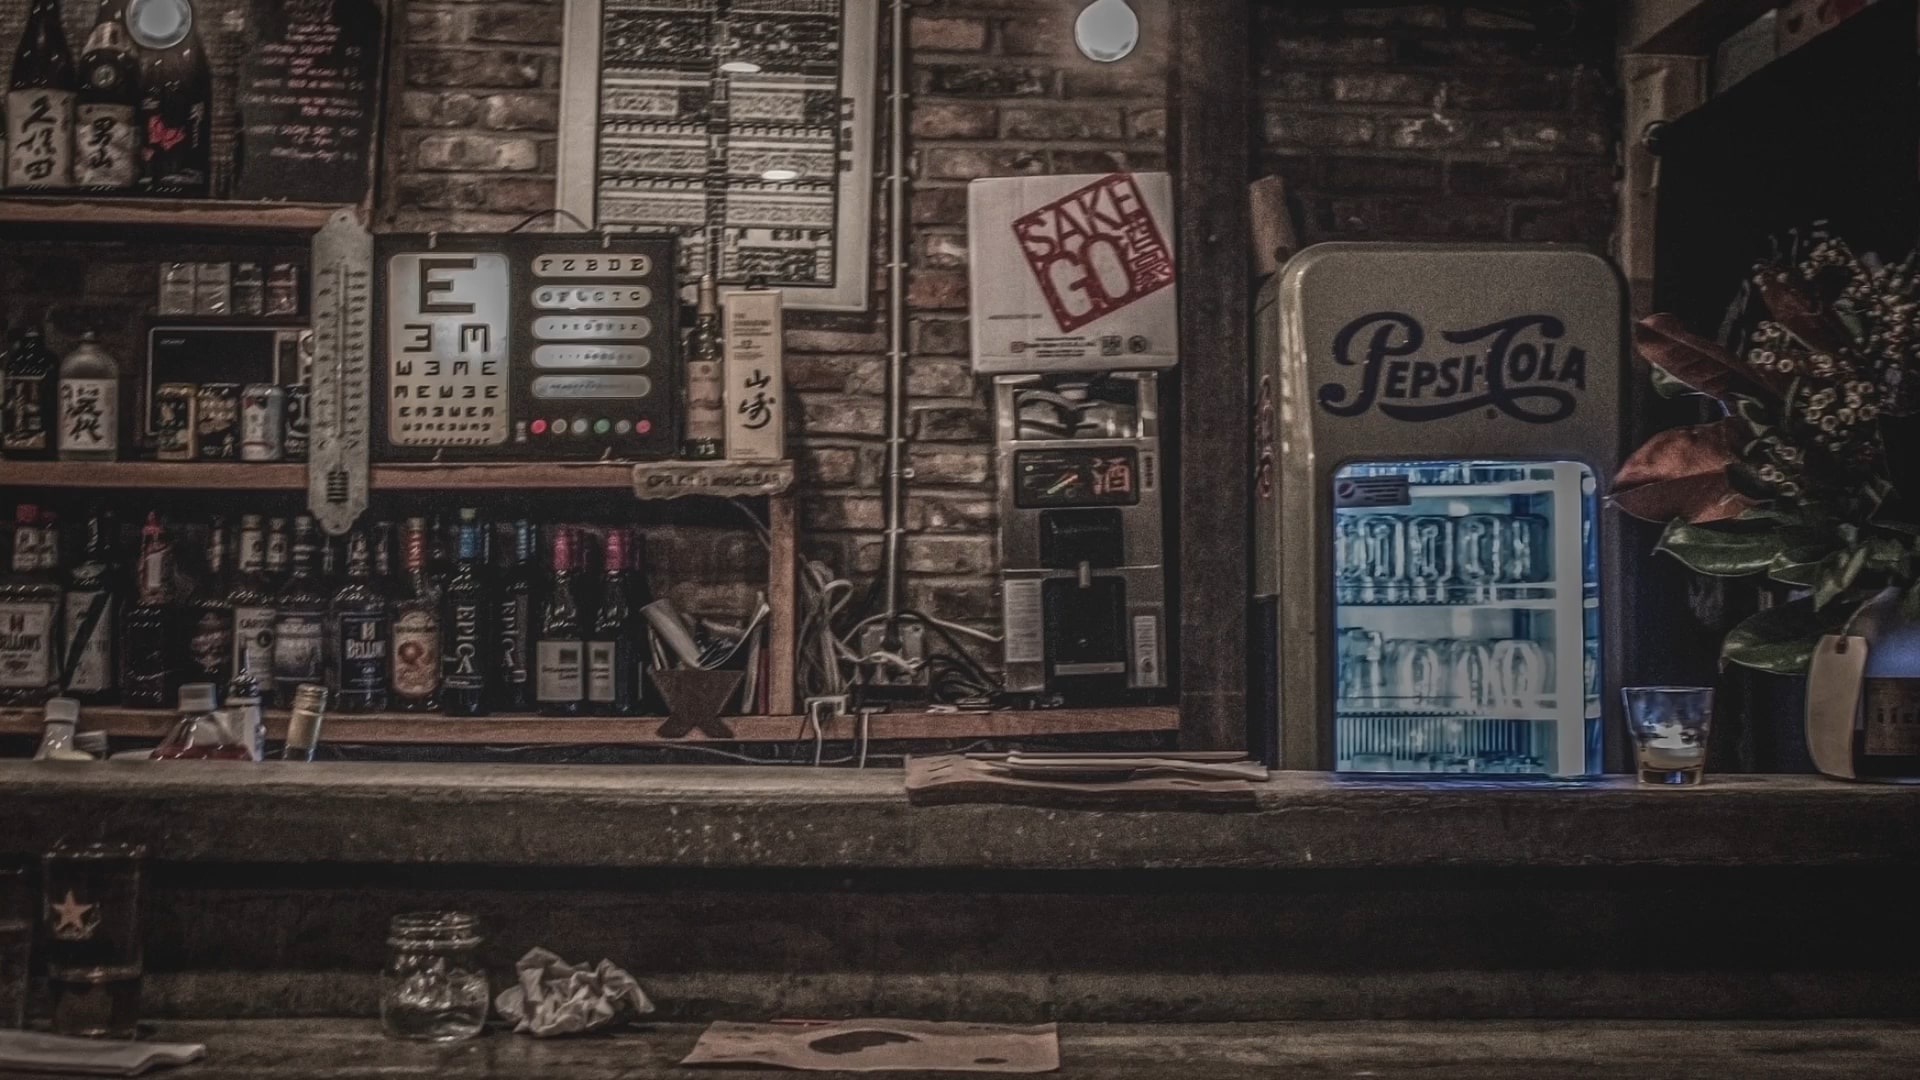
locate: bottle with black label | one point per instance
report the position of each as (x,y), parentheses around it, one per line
(40,103)
(149,674)
(106,137)
(1886,735)
(513,613)
(252,608)
(463,689)
(300,617)
(26,397)
(176,100)
(559,661)
(210,653)
(416,627)
(29,598)
(705,431)
(613,653)
(88,427)
(365,628)
(91,628)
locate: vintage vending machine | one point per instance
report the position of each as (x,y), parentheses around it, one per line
(1434,425)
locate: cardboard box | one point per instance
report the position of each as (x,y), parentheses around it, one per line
(1072,273)
(755,376)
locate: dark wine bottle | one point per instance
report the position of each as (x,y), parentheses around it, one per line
(95,593)
(27,398)
(211,654)
(513,614)
(365,628)
(107,118)
(613,655)
(176,99)
(463,686)
(559,663)
(151,675)
(40,103)
(416,628)
(300,617)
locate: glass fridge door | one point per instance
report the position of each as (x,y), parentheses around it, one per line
(1466,618)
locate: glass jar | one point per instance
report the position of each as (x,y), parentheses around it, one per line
(434,989)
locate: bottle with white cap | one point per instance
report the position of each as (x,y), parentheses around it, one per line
(56,743)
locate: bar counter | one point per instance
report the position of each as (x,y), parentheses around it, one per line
(1640,1050)
(765,817)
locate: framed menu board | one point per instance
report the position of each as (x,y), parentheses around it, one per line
(525,346)
(308,97)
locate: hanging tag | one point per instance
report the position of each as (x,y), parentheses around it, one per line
(1833,702)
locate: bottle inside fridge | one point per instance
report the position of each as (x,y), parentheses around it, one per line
(1467,622)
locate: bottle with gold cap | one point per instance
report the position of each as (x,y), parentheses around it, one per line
(303,726)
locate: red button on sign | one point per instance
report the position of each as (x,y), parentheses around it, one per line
(539,427)
(643,426)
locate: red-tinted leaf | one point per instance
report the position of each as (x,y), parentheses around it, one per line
(1802,315)
(1682,473)
(1700,363)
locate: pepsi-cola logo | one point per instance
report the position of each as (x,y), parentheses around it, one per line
(1517,366)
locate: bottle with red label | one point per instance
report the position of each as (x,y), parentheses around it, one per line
(416,627)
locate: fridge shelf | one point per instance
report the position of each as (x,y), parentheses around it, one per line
(1540,594)
(1478,491)
(1529,713)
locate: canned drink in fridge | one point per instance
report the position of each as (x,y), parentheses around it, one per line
(283,289)
(217,420)
(263,422)
(299,422)
(249,289)
(173,421)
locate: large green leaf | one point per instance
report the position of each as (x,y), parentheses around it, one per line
(1723,552)
(1837,573)
(1782,638)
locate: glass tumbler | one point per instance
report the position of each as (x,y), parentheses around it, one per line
(1670,725)
(93,914)
(434,989)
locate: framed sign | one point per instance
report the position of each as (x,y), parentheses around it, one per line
(744,125)
(525,346)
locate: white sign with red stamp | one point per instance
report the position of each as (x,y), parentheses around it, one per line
(1072,273)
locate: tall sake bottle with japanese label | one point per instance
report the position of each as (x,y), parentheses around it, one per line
(89,418)
(40,104)
(176,99)
(106,140)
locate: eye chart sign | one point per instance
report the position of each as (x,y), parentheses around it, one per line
(448,333)
(747,123)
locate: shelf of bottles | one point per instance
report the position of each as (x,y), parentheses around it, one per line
(1465,594)
(657,480)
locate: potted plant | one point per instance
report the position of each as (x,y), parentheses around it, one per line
(1794,480)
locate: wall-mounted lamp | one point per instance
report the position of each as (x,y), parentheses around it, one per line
(1107,30)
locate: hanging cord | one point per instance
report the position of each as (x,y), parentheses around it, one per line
(552,212)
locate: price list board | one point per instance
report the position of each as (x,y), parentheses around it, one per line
(526,347)
(308,97)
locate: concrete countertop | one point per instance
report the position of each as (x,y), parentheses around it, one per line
(700,817)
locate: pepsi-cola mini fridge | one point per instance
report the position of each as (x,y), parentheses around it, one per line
(1434,425)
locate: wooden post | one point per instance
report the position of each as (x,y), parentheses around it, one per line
(1208,112)
(781,596)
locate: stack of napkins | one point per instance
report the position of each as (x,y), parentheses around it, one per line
(30,1051)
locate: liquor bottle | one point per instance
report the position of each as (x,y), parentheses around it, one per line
(27,397)
(463,687)
(91,626)
(210,656)
(416,628)
(365,629)
(40,103)
(304,723)
(613,654)
(300,617)
(703,437)
(89,417)
(106,139)
(243,712)
(28,600)
(513,612)
(251,605)
(149,672)
(559,666)
(176,100)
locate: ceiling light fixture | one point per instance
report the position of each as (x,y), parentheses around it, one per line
(1106,31)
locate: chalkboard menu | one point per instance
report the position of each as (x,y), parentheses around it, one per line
(309,92)
(525,346)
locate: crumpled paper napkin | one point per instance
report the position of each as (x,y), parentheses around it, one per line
(554,997)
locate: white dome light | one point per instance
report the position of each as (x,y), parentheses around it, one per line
(1107,30)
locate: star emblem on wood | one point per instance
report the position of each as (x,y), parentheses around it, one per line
(74,923)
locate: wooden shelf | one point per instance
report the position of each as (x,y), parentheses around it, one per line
(112,213)
(432,728)
(647,480)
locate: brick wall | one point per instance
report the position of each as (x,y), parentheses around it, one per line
(1394,123)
